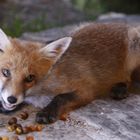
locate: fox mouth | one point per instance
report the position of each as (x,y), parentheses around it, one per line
(8,106)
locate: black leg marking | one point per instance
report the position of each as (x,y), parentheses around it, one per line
(119,91)
(55,109)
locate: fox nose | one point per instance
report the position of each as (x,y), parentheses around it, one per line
(12,99)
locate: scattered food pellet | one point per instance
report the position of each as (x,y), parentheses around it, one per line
(13,125)
(26,130)
(23,115)
(19,130)
(39,127)
(11,128)
(64,117)
(32,128)
(29,138)
(13,120)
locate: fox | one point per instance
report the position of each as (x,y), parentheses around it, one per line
(94,61)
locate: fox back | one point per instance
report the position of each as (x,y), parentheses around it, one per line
(97,58)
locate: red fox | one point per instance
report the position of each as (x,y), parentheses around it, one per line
(94,60)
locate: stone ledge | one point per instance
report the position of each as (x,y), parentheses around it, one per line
(101,120)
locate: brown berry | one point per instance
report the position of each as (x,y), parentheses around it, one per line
(32,128)
(26,130)
(13,120)
(29,138)
(11,128)
(39,127)
(23,115)
(64,117)
(15,126)
(29,129)
(19,129)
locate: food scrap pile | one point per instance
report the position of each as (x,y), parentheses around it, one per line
(18,129)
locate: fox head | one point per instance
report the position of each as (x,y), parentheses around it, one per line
(23,65)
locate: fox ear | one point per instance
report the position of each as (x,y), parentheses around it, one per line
(4,41)
(56,49)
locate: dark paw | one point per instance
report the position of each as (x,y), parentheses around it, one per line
(46,117)
(55,109)
(119,91)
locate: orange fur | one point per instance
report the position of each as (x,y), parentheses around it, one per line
(99,56)
(23,58)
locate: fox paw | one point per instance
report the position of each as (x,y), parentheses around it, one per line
(46,117)
(119,91)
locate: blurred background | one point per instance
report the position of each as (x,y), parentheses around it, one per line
(19,16)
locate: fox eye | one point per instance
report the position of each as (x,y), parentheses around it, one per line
(6,72)
(30,78)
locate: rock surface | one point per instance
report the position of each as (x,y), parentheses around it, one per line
(49,35)
(51,12)
(101,120)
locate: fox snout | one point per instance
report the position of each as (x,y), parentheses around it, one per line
(12,99)
(9,100)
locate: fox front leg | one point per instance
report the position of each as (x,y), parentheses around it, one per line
(59,105)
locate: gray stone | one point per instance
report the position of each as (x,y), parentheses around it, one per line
(101,120)
(30,12)
(119,17)
(50,35)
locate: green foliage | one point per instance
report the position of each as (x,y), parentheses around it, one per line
(124,6)
(80,4)
(92,8)
(95,7)
(17,27)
